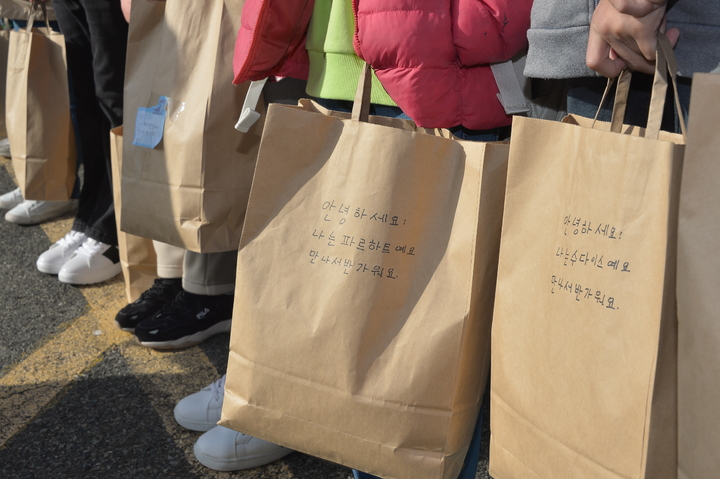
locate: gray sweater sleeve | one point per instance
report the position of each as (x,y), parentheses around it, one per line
(558,37)
(559,31)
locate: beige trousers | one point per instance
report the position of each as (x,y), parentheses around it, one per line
(202,273)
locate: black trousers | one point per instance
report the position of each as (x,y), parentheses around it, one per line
(96,40)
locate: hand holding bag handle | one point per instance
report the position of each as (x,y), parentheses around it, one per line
(665,62)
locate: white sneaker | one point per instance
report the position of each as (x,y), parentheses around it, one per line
(223,449)
(32,212)
(5,148)
(93,262)
(200,411)
(52,260)
(11,199)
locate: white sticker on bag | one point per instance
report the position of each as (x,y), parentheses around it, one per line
(150,124)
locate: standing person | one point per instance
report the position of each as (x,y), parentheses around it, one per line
(440,78)
(96,38)
(193,297)
(176,314)
(167,285)
(221,448)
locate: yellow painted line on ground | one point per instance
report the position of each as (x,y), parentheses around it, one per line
(37,380)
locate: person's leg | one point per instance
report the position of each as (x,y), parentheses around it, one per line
(164,290)
(214,274)
(203,309)
(169,260)
(209,274)
(108,36)
(76,126)
(221,448)
(73,23)
(95,37)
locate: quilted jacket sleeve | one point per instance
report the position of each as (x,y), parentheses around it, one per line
(271,40)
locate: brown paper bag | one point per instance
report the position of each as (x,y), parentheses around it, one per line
(698,277)
(37,108)
(584,332)
(191,189)
(137,255)
(364,292)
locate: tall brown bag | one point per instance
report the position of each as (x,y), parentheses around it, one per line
(37,105)
(585,328)
(697,288)
(191,189)
(364,290)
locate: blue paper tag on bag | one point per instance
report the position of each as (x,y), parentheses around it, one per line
(150,124)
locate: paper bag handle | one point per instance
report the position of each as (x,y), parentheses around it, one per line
(31,17)
(665,62)
(361,105)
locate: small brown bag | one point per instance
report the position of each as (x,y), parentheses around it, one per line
(37,107)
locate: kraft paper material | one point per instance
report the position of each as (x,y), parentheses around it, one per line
(697,280)
(364,292)
(192,189)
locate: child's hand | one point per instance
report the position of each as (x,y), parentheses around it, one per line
(637,8)
(619,40)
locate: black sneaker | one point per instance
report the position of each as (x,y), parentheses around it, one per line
(162,292)
(188,320)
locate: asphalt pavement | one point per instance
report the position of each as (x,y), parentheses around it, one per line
(81,399)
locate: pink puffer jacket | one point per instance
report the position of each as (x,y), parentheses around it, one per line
(271,40)
(431,56)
